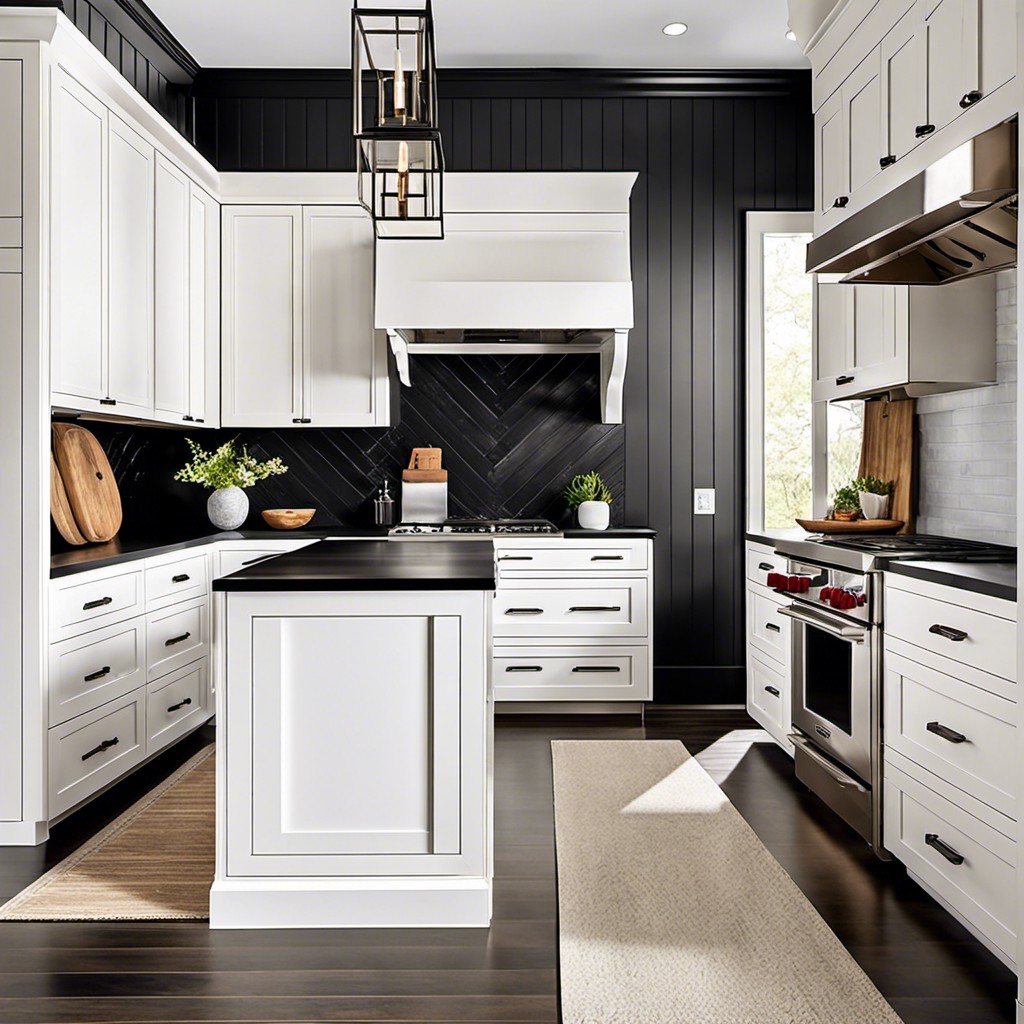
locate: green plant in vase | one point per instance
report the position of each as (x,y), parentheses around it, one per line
(590,497)
(874,496)
(846,503)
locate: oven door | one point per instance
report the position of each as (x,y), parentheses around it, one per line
(832,685)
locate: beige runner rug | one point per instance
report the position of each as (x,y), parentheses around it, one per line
(672,911)
(154,863)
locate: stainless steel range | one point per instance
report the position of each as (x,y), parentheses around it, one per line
(474,529)
(835,588)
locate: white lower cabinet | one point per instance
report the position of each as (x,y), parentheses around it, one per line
(177,703)
(177,636)
(594,674)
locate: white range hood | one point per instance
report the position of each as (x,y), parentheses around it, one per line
(530,262)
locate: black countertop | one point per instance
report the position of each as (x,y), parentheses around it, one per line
(372,565)
(612,533)
(994,579)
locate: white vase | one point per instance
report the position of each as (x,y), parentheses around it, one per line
(873,505)
(227,508)
(595,515)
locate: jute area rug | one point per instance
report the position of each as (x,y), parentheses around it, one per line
(154,863)
(672,910)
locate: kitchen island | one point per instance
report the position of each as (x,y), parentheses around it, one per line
(354,738)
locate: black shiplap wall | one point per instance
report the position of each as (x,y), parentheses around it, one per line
(709,147)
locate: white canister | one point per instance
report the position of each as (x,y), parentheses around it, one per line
(227,508)
(874,506)
(595,515)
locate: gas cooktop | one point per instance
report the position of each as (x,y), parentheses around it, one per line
(474,529)
(871,552)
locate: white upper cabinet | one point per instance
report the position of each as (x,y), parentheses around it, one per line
(204,308)
(862,111)
(997,44)
(298,345)
(951,28)
(904,86)
(11,161)
(830,160)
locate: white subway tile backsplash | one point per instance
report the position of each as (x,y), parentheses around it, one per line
(968,451)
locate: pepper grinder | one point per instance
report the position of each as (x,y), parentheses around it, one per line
(384,506)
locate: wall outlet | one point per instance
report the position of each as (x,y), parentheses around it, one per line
(704,501)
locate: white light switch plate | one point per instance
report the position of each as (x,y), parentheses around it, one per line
(704,501)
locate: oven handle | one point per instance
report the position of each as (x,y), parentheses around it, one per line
(847,781)
(855,634)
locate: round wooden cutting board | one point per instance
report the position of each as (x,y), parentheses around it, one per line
(851,526)
(63,517)
(92,492)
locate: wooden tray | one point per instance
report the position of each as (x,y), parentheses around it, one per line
(88,481)
(63,517)
(853,526)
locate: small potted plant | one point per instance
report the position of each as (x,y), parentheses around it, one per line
(589,496)
(226,472)
(874,496)
(846,503)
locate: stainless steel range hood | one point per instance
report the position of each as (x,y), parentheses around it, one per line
(531,263)
(955,219)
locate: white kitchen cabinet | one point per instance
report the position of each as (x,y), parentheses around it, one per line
(862,114)
(952,34)
(830,142)
(11,160)
(904,84)
(298,288)
(997,44)
(204,309)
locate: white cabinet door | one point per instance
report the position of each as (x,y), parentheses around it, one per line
(830,160)
(904,84)
(130,283)
(345,362)
(833,313)
(262,316)
(951,28)
(997,44)
(11,160)
(173,196)
(862,112)
(204,308)
(878,354)
(78,311)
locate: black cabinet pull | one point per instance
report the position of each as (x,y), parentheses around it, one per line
(524,611)
(199,419)
(887,161)
(841,202)
(932,840)
(515,558)
(182,577)
(523,668)
(187,419)
(99,674)
(607,558)
(596,668)
(773,627)
(773,691)
(946,733)
(844,379)
(923,129)
(596,608)
(177,640)
(956,635)
(108,401)
(180,704)
(970,98)
(105,745)
(766,567)
(98,603)
(301,419)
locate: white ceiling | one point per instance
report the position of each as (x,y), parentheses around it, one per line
(496,33)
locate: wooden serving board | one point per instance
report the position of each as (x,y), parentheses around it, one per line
(888,453)
(425,476)
(63,517)
(854,526)
(89,482)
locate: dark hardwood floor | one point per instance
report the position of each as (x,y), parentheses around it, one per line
(928,966)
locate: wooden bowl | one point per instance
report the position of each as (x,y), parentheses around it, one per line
(287,518)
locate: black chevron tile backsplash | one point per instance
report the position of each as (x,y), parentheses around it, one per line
(513,430)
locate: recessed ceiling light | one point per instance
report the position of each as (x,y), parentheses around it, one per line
(791,36)
(675,28)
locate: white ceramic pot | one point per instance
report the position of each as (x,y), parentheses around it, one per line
(595,515)
(873,506)
(227,508)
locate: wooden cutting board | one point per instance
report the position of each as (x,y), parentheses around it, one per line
(888,453)
(89,482)
(851,526)
(63,517)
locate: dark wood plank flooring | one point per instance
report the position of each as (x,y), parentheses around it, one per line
(928,966)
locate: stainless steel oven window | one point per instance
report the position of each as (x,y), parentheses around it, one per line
(828,678)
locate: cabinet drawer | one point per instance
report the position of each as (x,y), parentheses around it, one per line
(598,608)
(760,563)
(965,635)
(539,673)
(177,636)
(766,690)
(92,750)
(964,735)
(176,704)
(81,603)
(567,556)
(768,629)
(94,668)
(170,582)
(966,861)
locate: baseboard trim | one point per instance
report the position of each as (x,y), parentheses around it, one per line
(569,707)
(23,833)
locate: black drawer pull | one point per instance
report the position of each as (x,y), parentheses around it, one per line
(596,608)
(773,691)
(524,668)
(180,704)
(177,640)
(841,202)
(844,379)
(98,603)
(105,745)
(607,558)
(932,840)
(187,419)
(93,676)
(515,558)
(301,419)
(887,161)
(596,668)
(773,627)
(956,635)
(946,733)
(970,98)
(524,611)
(199,419)
(182,577)
(108,401)
(766,567)
(923,129)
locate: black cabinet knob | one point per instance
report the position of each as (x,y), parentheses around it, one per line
(923,129)
(108,401)
(970,98)
(841,202)
(887,161)
(844,379)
